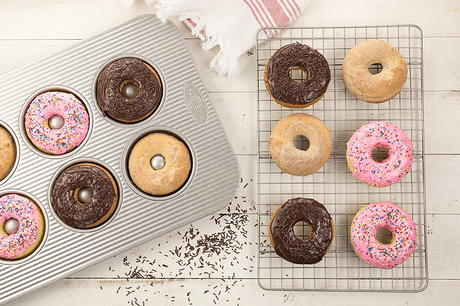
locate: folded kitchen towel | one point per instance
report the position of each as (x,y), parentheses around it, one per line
(231,24)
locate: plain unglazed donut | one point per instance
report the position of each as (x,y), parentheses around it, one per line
(369,87)
(295,161)
(168,179)
(7,152)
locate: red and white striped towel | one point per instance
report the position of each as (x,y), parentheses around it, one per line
(231,24)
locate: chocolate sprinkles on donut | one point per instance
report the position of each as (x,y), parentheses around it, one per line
(286,91)
(282,237)
(103,189)
(139,105)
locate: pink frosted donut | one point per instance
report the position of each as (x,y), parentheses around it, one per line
(31,226)
(379,134)
(364,230)
(69,135)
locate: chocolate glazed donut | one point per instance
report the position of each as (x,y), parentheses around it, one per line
(103,201)
(138,105)
(284,89)
(287,245)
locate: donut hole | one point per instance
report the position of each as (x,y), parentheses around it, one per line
(83,195)
(379,154)
(298,74)
(55,122)
(375,68)
(384,235)
(129,89)
(11,226)
(157,162)
(301,142)
(302,230)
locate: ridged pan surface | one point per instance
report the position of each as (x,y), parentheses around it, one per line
(185,109)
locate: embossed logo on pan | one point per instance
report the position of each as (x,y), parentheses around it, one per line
(196,103)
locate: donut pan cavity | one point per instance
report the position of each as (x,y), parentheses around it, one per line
(333,185)
(16,143)
(185,112)
(58,88)
(45,235)
(148,62)
(117,182)
(139,136)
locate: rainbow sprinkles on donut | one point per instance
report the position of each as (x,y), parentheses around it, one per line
(380,134)
(69,135)
(28,233)
(364,229)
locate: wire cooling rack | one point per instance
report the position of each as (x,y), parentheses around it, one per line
(333,185)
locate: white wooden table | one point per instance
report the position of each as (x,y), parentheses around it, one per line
(30,29)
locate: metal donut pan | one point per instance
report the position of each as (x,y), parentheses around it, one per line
(185,111)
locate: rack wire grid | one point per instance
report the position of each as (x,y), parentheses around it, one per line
(333,185)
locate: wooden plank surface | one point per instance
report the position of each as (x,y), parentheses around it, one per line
(226,274)
(242,292)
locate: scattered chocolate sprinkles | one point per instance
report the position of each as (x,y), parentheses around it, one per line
(193,252)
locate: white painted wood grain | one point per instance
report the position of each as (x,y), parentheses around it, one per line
(442,64)
(442,177)
(238,113)
(60,19)
(15,53)
(205,292)
(443,246)
(442,109)
(435,18)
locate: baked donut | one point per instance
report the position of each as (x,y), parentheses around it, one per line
(378,87)
(27,234)
(379,134)
(287,156)
(286,91)
(282,237)
(126,107)
(169,176)
(364,229)
(7,153)
(56,140)
(100,203)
